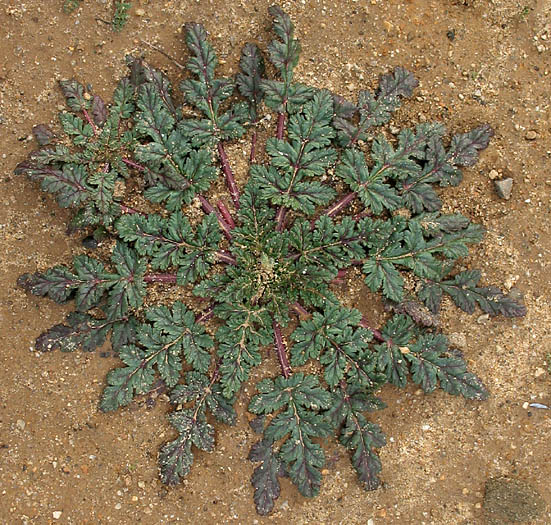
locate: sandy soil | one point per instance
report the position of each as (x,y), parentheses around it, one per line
(61,461)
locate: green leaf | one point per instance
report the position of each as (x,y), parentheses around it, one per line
(431,361)
(123,96)
(95,281)
(248,81)
(176,457)
(397,334)
(75,126)
(73,92)
(129,289)
(298,423)
(466,294)
(180,325)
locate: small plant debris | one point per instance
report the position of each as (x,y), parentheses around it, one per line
(329,192)
(119,12)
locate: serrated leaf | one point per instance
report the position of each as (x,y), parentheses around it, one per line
(80,331)
(431,361)
(248,81)
(466,295)
(176,457)
(265,477)
(73,92)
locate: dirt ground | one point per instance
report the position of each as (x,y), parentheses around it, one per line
(61,461)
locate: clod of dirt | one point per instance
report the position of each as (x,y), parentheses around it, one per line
(509,500)
(504,188)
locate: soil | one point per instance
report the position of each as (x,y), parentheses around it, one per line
(61,461)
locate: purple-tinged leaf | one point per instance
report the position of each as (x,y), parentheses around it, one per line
(248,81)
(398,83)
(57,283)
(465,147)
(343,108)
(431,361)
(80,331)
(99,110)
(73,91)
(43,134)
(265,476)
(176,457)
(417,311)
(284,54)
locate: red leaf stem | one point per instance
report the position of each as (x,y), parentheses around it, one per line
(129,210)
(280,217)
(377,335)
(341,204)
(253,147)
(230,179)
(300,311)
(226,214)
(205,316)
(90,121)
(209,208)
(133,164)
(160,278)
(281,350)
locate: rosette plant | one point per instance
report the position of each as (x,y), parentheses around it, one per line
(331,191)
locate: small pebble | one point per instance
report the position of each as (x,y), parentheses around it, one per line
(141,484)
(539,372)
(140,12)
(57,514)
(483,318)
(458,339)
(525,405)
(531,135)
(20,424)
(493,174)
(118,506)
(504,188)
(451,35)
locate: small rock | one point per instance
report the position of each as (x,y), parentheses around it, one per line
(493,174)
(504,188)
(118,506)
(57,514)
(20,424)
(511,500)
(482,319)
(141,484)
(89,242)
(140,12)
(539,372)
(458,339)
(451,35)
(531,135)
